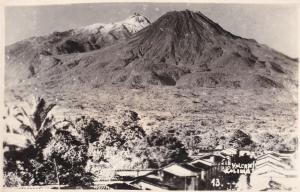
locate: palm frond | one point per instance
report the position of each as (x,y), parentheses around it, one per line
(24,111)
(41,112)
(27,129)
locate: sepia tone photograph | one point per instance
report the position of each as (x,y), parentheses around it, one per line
(151,96)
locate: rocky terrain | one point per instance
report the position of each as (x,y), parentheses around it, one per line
(182,74)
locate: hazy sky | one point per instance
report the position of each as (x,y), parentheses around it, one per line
(274,25)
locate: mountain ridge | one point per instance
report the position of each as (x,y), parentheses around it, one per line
(33,50)
(181,48)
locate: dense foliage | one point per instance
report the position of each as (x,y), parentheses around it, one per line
(60,152)
(128,147)
(54,154)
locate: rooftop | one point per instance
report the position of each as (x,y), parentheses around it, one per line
(182,170)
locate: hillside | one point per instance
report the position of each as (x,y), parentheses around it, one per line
(32,53)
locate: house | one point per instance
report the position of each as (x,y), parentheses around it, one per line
(275,159)
(183,176)
(262,178)
(122,186)
(195,175)
(273,171)
(205,167)
(213,158)
(287,158)
(278,155)
(269,154)
(132,173)
(180,176)
(270,163)
(204,163)
(152,181)
(272,160)
(229,152)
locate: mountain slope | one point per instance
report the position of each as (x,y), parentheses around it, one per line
(183,49)
(31,52)
(186,48)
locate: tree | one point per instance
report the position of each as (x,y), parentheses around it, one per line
(52,148)
(276,142)
(133,155)
(239,139)
(117,148)
(118,144)
(128,146)
(30,119)
(31,122)
(69,156)
(164,149)
(91,129)
(122,145)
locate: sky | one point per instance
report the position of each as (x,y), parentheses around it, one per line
(273,25)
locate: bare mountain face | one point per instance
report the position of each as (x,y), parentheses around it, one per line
(183,48)
(188,49)
(187,74)
(30,54)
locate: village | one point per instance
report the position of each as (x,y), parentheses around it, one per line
(227,169)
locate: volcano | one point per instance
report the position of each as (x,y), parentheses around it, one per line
(185,48)
(181,48)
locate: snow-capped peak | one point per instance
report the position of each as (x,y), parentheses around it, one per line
(133,24)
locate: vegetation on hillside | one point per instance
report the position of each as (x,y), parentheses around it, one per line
(57,152)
